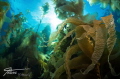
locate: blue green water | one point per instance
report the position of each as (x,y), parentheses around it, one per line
(32,11)
(59,39)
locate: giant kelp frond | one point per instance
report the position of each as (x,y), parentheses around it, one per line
(109,22)
(69,53)
(45,8)
(75,21)
(92,1)
(113,3)
(4,3)
(58,2)
(76,63)
(84,43)
(92,40)
(65,9)
(100,40)
(78,6)
(4,6)
(71,20)
(74,6)
(70,33)
(52,38)
(90,31)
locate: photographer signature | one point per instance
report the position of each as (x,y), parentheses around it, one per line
(12,71)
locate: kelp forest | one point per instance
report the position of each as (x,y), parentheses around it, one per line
(82,47)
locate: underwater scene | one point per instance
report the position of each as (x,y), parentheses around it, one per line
(59,39)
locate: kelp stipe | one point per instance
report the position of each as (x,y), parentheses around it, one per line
(45,9)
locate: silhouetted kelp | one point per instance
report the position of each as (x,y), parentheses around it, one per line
(114,4)
(82,47)
(45,9)
(22,45)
